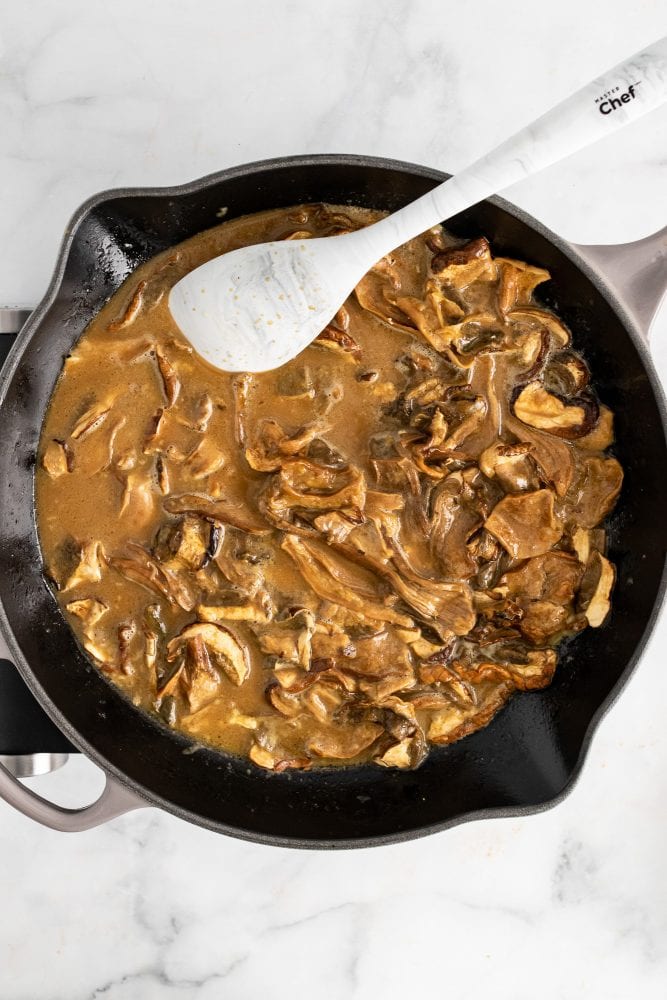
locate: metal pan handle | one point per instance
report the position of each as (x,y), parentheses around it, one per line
(637,271)
(115,800)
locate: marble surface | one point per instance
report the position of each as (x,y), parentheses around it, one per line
(568,904)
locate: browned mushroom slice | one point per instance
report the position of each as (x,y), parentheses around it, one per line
(425,315)
(89,610)
(525,524)
(193,541)
(554,576)
(529,317)
(535,406)
(127,631)
(336,581)
(595,492)
(289,638)
(566,374)
(460,266)
(170,380)
(275,761)
(139,500)
(221,646)
(141,568)
(453,521)
(199,679)
(596,587)
(226,511)
(543,622)
(512,465)
(304,486)
(204,459)
(132,310)
(382,665)
(336,338)
(449,605)
(408,753)
(517,282)
(57,459)
(526,669)
(343,744)
(91,420)
(376,294)
(602,434)
(102,650)
(89,569)
(268,444)
(553,455)
(456,721)
(241,386)
(259,611)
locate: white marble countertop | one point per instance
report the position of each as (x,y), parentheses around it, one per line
(568,904)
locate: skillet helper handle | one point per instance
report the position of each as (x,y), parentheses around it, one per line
(613,100)
(638,273)
(115,800)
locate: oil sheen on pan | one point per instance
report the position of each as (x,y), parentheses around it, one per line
(347,559)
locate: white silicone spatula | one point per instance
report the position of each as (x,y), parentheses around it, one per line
(255,308)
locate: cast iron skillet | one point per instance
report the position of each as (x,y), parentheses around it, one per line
(531,753)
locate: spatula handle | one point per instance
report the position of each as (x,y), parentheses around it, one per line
(613,100)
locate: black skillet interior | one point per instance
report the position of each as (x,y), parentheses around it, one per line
(529,753)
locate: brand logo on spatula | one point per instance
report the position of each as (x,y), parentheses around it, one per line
(613,99)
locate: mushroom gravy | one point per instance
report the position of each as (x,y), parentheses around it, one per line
(363,552)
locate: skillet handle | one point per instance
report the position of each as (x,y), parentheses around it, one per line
(115,800)
(637,272)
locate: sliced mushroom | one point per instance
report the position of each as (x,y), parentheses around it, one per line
(192,540)
(225,511)
(57,459)
(525,524)
(512,465)
(170,380)
(602,434)
(338,340)
(269,445)
(88,609)
(258,611)
(517,283)
(91,420)
(290,638)
(532,317)
(303,486)
(543,621)
(453,522)
(460,266)
(596,587)
(139,500)
(132,310)
(140,567)
(221,645)
(333,581)
(343,744)
(126,633)
(204,459)
(456,721)
(535,406)
(554,576)
(89,569)
(275,761)
(566,374)
(595,491)
(527,670)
